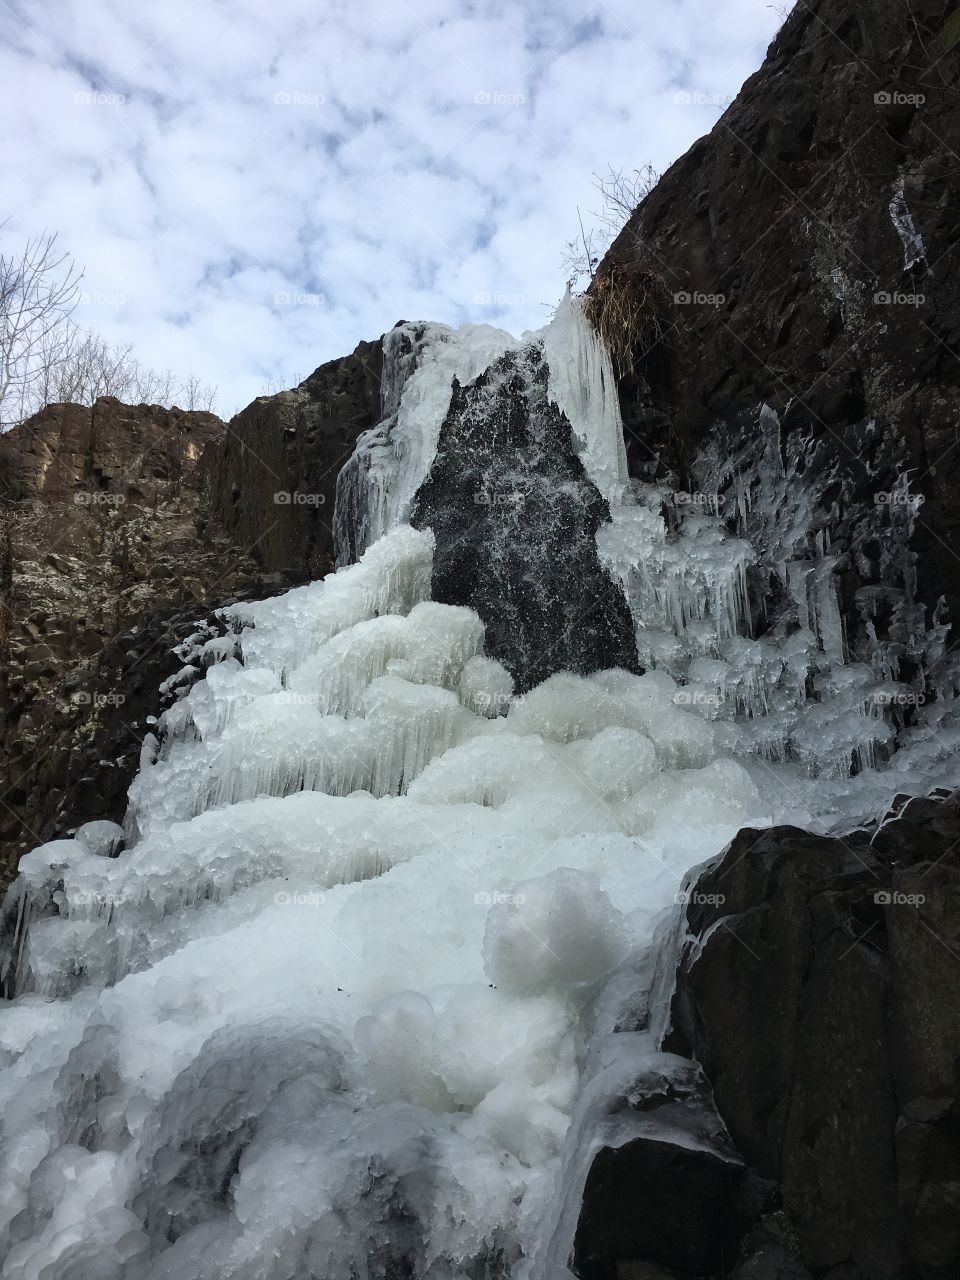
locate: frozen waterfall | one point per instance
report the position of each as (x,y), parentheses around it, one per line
(332,1012)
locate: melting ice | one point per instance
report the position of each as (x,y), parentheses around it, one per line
(324,1014)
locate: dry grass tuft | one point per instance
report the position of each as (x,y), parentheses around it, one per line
(625,304)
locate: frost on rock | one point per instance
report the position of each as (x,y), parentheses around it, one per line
(381,947)
(375,489)
(914,250)
(516,515)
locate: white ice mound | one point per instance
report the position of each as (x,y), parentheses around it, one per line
(558,931)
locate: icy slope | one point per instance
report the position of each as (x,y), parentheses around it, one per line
(326,1015)
(352,999)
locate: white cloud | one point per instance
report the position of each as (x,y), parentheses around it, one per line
(254,192)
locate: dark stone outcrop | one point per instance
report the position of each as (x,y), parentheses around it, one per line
(101,540)
(777,274)
(675,1194)
(273,481)
(821,994)
(515,517)
(122,526)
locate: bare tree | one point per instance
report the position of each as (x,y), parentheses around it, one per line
(38,291)
(45,358)
(81,365)
(620,193)
(197,394)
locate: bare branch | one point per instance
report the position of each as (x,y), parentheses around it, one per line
(621,193)
(46,359)
(39,289)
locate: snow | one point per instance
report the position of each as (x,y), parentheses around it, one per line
(345,997)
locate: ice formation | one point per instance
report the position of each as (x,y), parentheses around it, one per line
(343,1004)
(914,250)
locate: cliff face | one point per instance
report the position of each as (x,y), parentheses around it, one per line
(100,510)
(272,484)
(803,256)
(123,527)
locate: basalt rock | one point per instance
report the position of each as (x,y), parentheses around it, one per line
(515,518)
(804,256)
(819,992)
(674,1197)
(273,482)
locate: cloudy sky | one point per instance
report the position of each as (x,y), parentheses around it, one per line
(254,187)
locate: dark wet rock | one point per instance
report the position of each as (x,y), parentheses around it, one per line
(515,518)
(666,1193)
(273,482)
(820,994)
